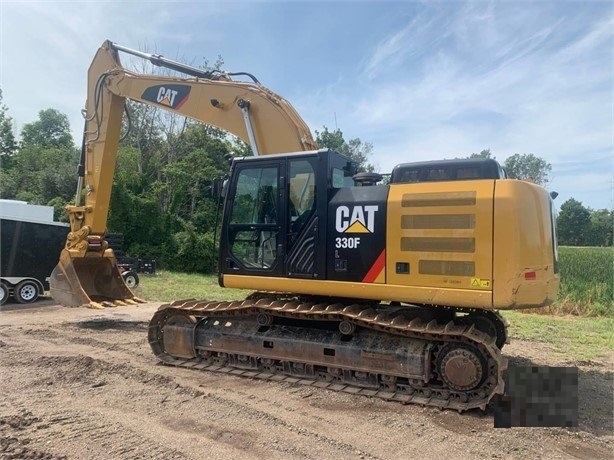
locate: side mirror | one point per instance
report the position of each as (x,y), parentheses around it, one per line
(218,188)
(554,194)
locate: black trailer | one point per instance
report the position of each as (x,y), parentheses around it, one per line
(29,250)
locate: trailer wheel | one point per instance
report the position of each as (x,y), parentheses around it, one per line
(131,278)
(4,293)
(26,292)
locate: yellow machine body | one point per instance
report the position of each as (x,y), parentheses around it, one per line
(486,244)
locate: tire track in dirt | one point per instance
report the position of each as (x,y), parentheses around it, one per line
(14,446)
(83,369)
(77,424)
(88,369)
(242,404)
(236,400)
(88,434)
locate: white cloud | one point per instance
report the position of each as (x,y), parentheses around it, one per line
(532,87)
(413,40)
(46,48)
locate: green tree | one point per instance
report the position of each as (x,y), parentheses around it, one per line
(483,154)
(528,167)
(573,223)
(43,167)
(39,175)
(8,144)
(170,213)
(330,139)
(356,149)
(128,171)
(201,155)
(239,148)
(143,131)
(51,130)
(139,218)
(193,251)
(134,209)
(8,147)
(602,228)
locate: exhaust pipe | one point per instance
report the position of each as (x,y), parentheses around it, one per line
(93,281)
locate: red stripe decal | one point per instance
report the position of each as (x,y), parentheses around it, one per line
(183,101)
(376,268)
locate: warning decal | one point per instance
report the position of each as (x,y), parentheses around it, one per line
(478,283)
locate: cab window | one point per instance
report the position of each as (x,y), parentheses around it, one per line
(253,229)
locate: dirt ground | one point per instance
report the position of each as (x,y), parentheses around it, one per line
(83,384)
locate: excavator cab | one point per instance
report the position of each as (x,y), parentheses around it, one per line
(275,222)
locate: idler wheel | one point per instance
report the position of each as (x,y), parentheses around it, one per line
(461,367)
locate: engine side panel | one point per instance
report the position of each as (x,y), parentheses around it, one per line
(441,237)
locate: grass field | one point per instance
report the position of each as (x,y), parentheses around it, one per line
(572,337)
(587,281)
(166,286)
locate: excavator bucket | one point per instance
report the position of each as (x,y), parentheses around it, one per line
(94,282)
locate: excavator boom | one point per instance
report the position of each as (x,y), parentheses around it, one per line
(87,272)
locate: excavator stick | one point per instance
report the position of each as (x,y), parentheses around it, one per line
(94,282)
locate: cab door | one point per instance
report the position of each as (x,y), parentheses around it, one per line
(303,216)
(253,231)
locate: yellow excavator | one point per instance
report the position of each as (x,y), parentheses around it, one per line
(387,290)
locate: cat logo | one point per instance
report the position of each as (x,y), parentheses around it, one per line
(360,219)
(166,96)
(171,95)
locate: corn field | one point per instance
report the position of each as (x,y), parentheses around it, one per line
(587,281)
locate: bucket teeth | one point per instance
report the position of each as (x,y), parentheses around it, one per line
(111,304)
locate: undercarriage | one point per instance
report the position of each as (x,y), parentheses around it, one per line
(444,358)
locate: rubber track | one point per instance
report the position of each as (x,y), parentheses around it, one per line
(362,315)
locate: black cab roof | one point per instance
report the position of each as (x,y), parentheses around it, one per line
(447,170)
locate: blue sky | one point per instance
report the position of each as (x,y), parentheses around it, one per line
(418,80)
